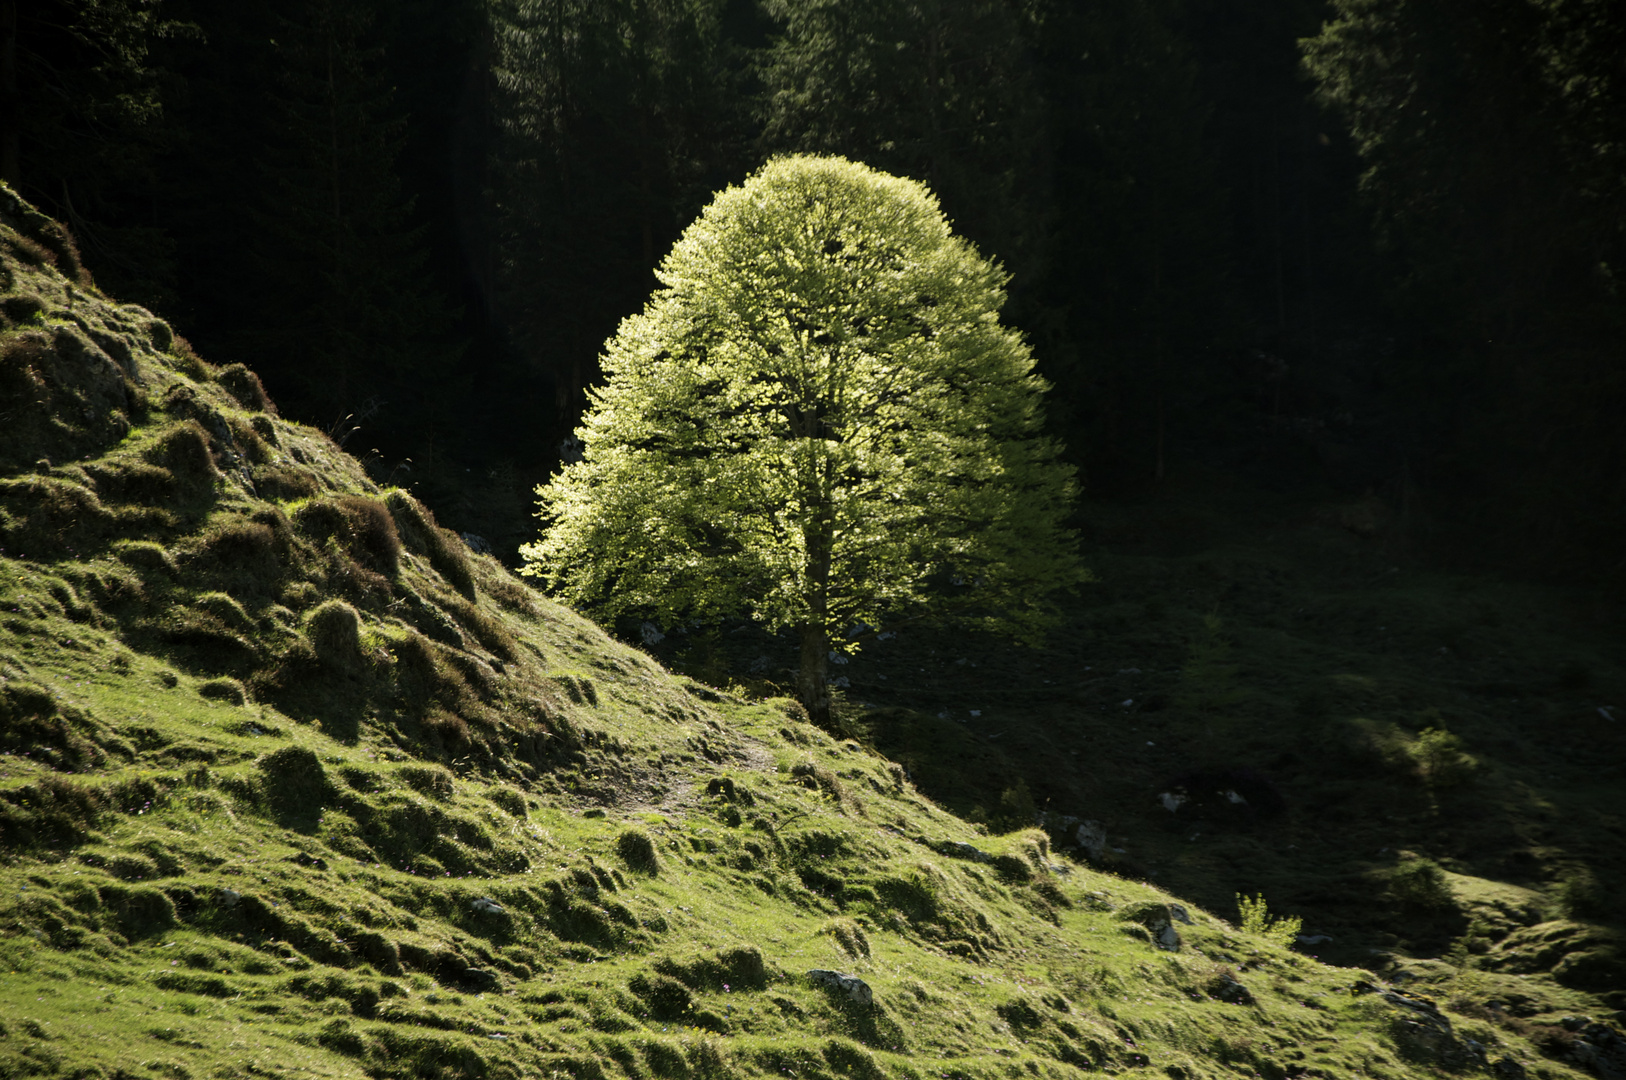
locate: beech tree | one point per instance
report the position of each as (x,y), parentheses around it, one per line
(819,422)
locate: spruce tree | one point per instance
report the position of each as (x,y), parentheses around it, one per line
(83,96)
(1491,134)
(348,324)
(940,90)
(1139,271)
(614,121)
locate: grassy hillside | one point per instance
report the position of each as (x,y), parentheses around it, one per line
(295,785)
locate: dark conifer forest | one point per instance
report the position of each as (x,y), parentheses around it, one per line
(1363,246)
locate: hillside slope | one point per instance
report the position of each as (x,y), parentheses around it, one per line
(295,785)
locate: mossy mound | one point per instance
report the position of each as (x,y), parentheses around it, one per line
(292,783)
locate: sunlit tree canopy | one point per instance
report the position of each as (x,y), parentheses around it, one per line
(820,422)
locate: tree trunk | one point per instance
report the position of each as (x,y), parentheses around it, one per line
(10,107)
(813,680)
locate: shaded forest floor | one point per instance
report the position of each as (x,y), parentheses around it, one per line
(1428,764)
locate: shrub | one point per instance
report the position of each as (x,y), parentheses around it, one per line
(51,514)
(285,482)
(816,778)
(667,998)
(188,362)
(709,1058)
(1012,869)
(1256,919)
(1419,884)
(850,937)
(1439,758)
(59,241)
(918,897)
(213,644)
(184,449)
(223,607)
(1580,895)
(131,866)
(37,239)
(510,800)
(161,336)
(141,911)
(1017,809)
(487,629)
(445,732)
(1020,1013)
(665,1060)
(723,787)
(242,543)
(741,966)
(61,397)
(248,440)
(28,251)
(431,780)
(514,595)
(22,308)
(284,542)
(51,810)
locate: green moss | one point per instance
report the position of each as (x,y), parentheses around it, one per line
(278,796)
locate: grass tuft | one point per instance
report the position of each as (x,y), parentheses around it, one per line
(334,630)
(245,386)
(447,553)
(361,527)
(224,689)
(637,850)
